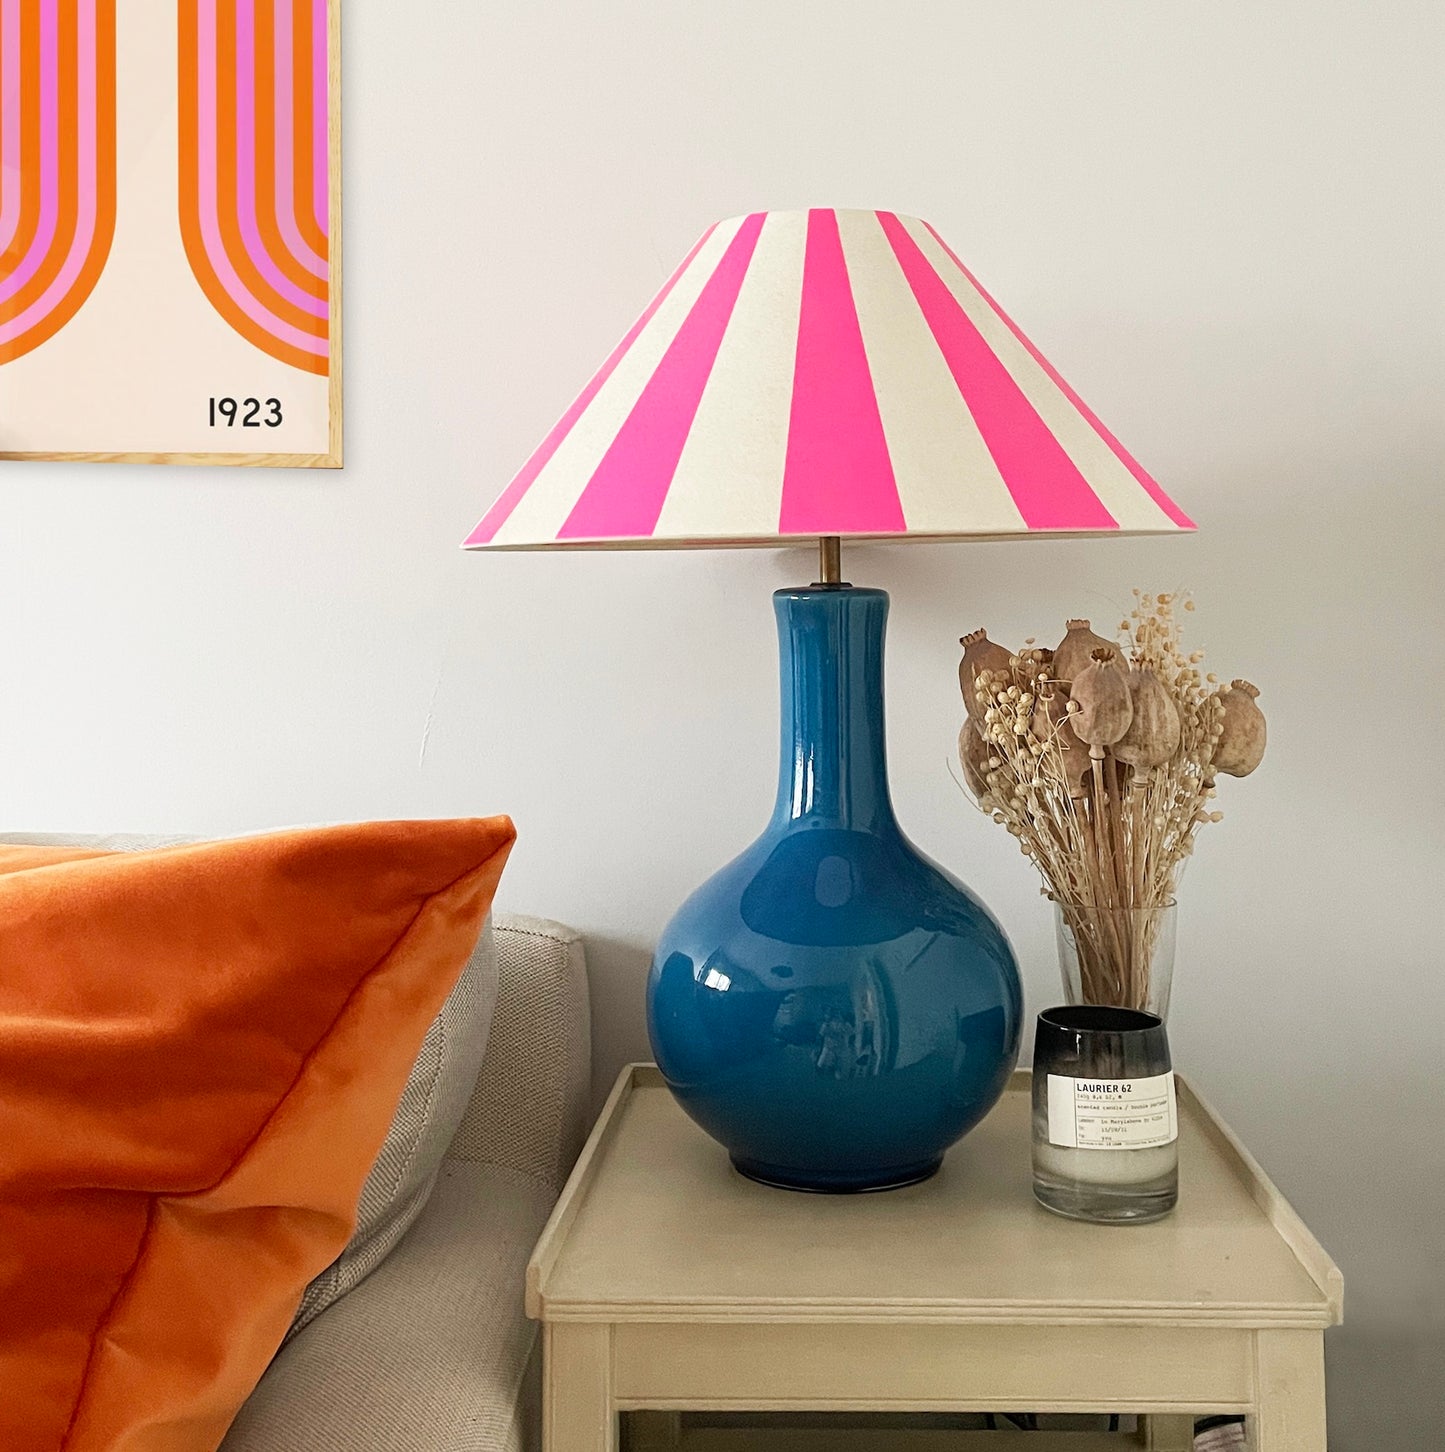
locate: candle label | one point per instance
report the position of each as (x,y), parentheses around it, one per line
(1112,1113)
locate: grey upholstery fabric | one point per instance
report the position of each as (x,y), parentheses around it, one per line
(529,1110)
(430,1354)
(436,1096)
(95,841)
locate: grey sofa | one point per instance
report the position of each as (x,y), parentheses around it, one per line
(433,1351)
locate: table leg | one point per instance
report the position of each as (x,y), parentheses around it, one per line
(577,1410)
(1159,1433)
(1289,1392)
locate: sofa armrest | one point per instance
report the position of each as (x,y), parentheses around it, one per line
(432,1350)
(529,1111)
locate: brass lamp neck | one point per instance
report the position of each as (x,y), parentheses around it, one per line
(830,557)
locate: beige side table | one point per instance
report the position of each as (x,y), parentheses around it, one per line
(667,1282)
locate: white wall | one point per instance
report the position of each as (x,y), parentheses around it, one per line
(1223,222)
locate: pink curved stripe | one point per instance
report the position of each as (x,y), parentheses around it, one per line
(246,166)
(320,114)
(838,477)
(624,496)
(9,121)
(87,179)
(301,250)
(31,263)
(1046,485)
(1124,456)
(210,225)
(498,514)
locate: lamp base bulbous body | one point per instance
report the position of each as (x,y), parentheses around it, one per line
(835,1010)
(832,1006)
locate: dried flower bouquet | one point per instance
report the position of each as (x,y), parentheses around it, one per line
(1101,758)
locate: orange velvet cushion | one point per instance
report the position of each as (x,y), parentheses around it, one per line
(201,1049)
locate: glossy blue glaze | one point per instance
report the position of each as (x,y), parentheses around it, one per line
(832,1006)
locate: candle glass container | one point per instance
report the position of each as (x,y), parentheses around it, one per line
(1105,1121)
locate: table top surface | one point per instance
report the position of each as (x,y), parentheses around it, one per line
(655,1224)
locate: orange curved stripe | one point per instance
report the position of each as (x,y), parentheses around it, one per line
(30,178)
(190,212)
(226,184)
(105,194)
(266,219)
(304,100)
(68,109)
(12,181)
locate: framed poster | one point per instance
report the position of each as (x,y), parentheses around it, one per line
(170,263)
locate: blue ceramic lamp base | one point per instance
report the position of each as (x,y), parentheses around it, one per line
(832,1006)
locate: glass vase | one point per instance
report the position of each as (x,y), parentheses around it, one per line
(1117,957)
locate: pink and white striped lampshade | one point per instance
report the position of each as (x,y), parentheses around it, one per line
(823,373)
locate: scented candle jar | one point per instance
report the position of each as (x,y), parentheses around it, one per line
(1105,1120)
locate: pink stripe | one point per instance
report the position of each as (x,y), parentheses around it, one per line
(86,178)
(9,121)
(210,225)
(246,165)
(286,144)
(623,498)
(838,478)
(1125,457)
(320,115)
(1046,485)
(498,514)
(40,246)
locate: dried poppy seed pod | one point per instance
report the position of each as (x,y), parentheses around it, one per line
(1076,649)
(1154,731)
(1076,764)
(973,752)
(1101,694)
(1051,710)
(1241,746)
(1051,725)
(979,654)
(1075,758)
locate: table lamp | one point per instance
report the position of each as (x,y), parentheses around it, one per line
(831,1006)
